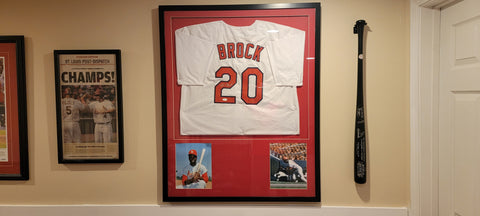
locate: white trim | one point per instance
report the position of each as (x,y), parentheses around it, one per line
(424,75)
(436,4)
(415,30)
(212,210)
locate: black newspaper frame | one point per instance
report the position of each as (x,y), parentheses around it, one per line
(93,78)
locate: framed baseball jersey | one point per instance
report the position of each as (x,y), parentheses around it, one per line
(244,81)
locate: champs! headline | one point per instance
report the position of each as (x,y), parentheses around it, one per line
(88,77)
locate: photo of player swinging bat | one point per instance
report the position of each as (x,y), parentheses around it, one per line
(360,154)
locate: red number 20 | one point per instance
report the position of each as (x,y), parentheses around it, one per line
(228,84)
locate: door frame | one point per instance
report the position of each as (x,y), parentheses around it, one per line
(424,100)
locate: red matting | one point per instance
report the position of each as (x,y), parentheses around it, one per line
(241,164)
(12,166)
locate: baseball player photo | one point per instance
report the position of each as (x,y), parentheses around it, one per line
(71,108)
(239,80)
(102,109)
(193,166)
(288,165)
(88,114)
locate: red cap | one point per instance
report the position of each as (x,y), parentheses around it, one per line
(193,152)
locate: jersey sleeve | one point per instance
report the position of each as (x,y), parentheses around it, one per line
(109,105)
(184,173)
(203,173)
(193,55)
(286,55)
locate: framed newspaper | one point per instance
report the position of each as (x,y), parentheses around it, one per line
(13,110)
(88,87)
(240,88)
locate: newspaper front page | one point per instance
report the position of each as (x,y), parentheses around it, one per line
(89,106)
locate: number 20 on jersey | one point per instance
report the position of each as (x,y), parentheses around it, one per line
(245,88)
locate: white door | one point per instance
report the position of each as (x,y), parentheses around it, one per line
(459,120)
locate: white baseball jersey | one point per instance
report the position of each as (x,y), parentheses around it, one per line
(98,108)
(294,165)
(188,172)
(239,80)
(299,169)
(71,109)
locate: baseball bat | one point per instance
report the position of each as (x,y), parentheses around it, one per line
(200,161)
(360,154)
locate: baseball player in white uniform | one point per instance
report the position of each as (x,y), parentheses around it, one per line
(296,168)
(71,116)
(102,116)
(239,80)
(194,176)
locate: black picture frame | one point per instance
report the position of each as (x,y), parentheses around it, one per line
(86,131)
(14,165)
(174,17)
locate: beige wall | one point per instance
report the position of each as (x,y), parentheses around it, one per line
(132,26)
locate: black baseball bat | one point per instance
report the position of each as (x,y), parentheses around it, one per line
(360,155)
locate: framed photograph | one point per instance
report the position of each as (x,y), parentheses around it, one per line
(13,110)
(240,89)
(88,87)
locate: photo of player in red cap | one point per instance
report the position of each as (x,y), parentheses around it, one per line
(194,173)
